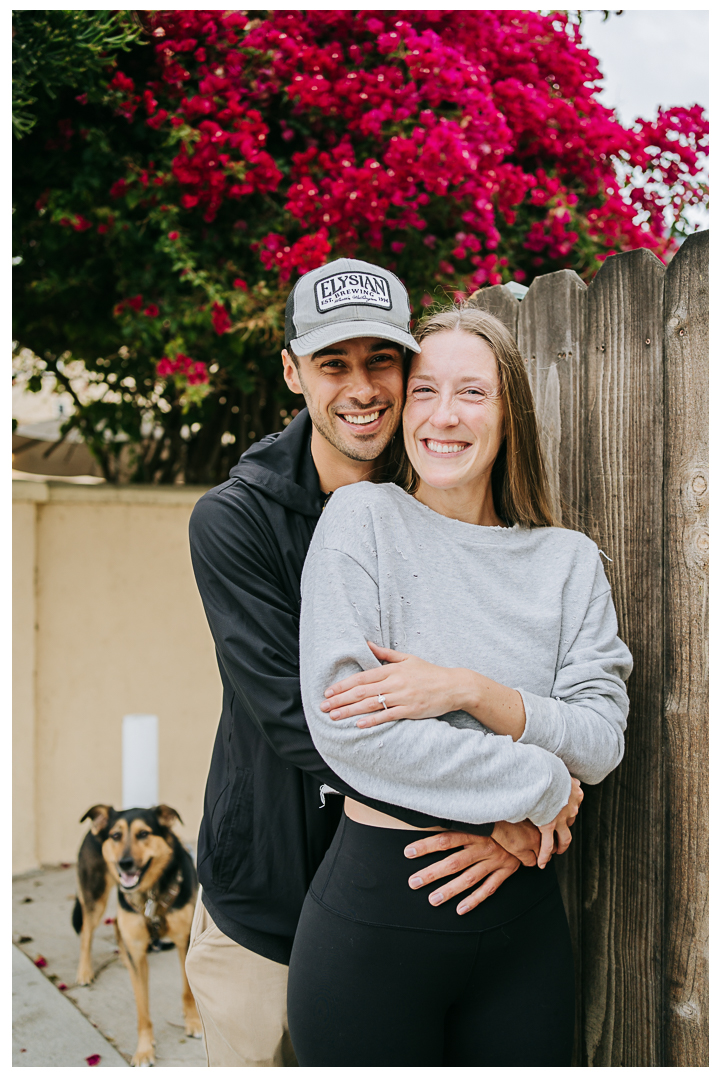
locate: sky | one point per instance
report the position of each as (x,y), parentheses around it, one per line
(650,58)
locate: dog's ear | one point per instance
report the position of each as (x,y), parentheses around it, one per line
(166,815)
(99,817)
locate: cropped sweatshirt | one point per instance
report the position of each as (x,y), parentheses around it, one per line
(529,608)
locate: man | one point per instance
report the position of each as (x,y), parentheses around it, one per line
(268,817)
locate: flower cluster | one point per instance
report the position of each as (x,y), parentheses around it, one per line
(194,372)
(391,122)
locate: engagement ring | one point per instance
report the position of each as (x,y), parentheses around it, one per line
(381,699)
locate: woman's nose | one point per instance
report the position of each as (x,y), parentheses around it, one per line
(444,415)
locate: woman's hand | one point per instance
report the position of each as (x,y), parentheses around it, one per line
(414,690)
(560,826)
(480,858)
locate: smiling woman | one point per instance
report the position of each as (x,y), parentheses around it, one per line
(507,629)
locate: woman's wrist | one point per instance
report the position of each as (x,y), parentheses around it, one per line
(496,706)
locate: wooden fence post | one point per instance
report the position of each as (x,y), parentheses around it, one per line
(551,328)
(500,302)
(623,818)
(686,673)
(550,334)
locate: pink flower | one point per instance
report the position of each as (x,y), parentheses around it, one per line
(134,302)
(118,189)
(173,235)
(240,283)
(220,319)
(152,311)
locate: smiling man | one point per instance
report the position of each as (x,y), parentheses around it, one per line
(271,805)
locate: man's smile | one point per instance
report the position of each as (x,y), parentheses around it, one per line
(365,422)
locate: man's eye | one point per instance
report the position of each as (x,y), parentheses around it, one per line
(382,358)
(333,364)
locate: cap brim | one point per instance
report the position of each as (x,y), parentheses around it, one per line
(344,331)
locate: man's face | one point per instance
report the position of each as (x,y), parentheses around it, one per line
(354,392)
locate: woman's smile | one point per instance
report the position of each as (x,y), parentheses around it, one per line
(437,446)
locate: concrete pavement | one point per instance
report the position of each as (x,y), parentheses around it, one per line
(64,1027)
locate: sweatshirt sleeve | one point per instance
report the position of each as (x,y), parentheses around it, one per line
(254,624)
(583,721)
(430,765)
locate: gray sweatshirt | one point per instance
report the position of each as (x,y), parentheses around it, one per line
(529,608)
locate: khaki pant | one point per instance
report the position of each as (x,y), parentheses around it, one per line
(241,998)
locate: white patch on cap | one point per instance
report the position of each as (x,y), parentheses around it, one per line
(353,287)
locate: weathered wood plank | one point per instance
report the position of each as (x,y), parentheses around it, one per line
(622,818)
(499,302)
(551,327)
(686,672)
(550,331)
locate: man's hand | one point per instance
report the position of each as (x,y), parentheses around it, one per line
(557,832)
(480,858)
(521,839)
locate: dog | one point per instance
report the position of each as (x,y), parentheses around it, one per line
(157,886)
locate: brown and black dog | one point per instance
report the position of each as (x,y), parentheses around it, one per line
(157,886)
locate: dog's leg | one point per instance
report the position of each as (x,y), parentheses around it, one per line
(93,909)
(133,938)
(178,930)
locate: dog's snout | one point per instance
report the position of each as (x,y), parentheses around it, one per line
(126,863)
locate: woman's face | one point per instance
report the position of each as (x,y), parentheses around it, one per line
(453,418)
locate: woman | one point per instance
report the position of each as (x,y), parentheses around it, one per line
(504,681)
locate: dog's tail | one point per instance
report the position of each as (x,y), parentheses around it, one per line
(77,916)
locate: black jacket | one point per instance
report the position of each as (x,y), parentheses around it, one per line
(265,829)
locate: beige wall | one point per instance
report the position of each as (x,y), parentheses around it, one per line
(108,621)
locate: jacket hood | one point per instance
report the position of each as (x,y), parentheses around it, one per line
(281,466)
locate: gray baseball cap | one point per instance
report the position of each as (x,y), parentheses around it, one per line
(347,298)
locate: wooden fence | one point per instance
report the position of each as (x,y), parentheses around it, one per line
(619,371)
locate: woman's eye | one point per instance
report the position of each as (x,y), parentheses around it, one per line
(474,392)
(422,390)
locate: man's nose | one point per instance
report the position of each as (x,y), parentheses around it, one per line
(362,387)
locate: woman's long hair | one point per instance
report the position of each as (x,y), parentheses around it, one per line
(519,480)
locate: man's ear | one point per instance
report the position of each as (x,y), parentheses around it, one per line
(290,373)
(99,817)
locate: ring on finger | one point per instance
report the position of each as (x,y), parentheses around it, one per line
(381,699)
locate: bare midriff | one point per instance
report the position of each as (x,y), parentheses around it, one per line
(365,815)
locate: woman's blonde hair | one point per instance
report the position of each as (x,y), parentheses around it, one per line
(519,479)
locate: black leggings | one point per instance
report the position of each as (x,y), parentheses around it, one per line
(429,989)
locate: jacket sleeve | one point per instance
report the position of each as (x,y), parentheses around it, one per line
(255,626)
(426,764)
(583,721)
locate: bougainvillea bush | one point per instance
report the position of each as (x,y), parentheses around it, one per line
(165,210)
